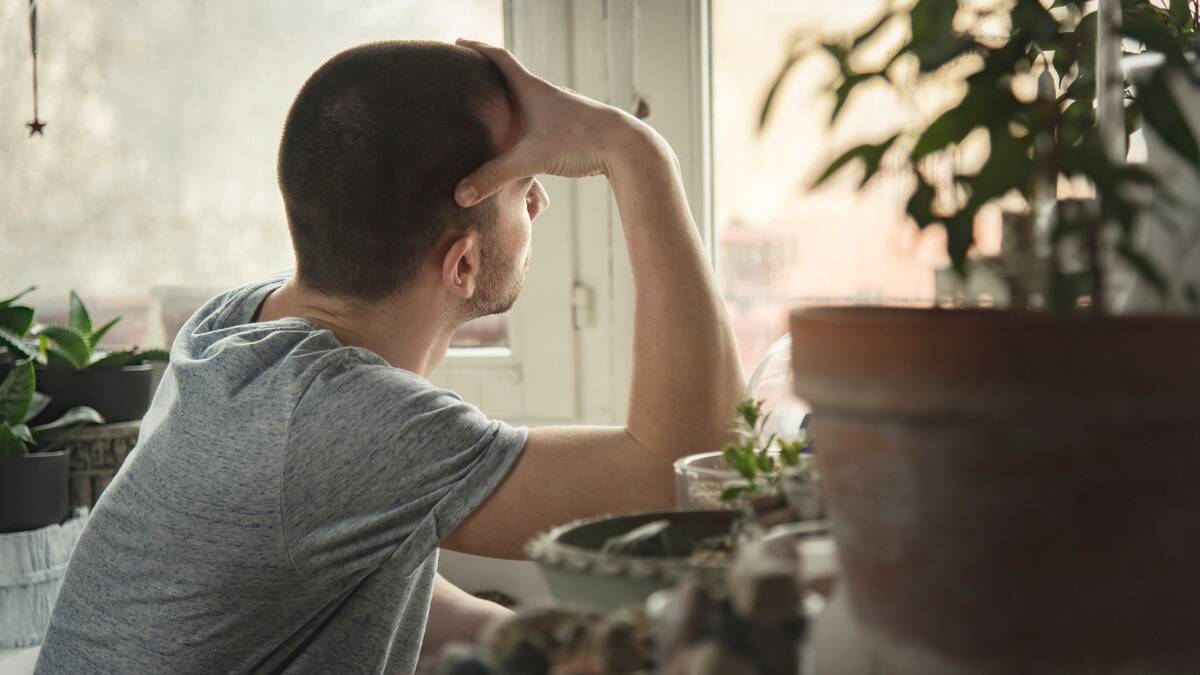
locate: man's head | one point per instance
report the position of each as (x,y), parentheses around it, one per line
(373,146)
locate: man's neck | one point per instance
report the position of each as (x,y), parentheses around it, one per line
(409,331)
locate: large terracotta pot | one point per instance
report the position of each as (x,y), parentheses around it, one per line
(1011,493)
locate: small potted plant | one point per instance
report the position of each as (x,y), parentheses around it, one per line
(117,383)
(33,485)
(1013,490)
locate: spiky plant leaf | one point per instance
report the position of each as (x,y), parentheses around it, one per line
(115,359)
(66,342)
(17,345)
(148,355)
(78,319)
(10,300)
(95,338)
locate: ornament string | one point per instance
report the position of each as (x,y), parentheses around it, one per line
(36,126)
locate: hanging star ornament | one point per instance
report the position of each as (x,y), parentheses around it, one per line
(36,126)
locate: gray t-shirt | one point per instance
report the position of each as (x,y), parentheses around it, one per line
(281,511)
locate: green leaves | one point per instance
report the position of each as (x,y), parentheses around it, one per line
(16,397)
(72,418)
(754,457)
(871,156)
(1033,142)
(16,393)
(789,451)
(74,345)
(19,403)
(934,41)
(78,319)
(920,204)
(16,344)
(776,84)
(16,319)
(115,359)
(1077,119)
(148,355)
(37,405)
(12,442)
(1161,112)
(11,299)
(1181,16)
(130,357)
(1037,24)
(67,343)
(15,322)
(732,492)
(740,457)
(950,127)
(750,412)
(1146,268)
(1153,28)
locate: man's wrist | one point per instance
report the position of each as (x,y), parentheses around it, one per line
(633,144)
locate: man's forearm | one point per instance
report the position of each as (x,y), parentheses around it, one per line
(454,616)
(686,374)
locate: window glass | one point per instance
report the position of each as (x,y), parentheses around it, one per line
(780,244)
(154,185)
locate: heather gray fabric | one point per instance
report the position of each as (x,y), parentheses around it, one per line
(281,511)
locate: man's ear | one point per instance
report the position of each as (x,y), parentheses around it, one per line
(460,265)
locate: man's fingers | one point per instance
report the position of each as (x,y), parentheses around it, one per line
(490,177)
(508,64)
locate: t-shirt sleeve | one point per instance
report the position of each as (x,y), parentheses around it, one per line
(381,463)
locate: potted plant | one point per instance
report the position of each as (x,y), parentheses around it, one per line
(33,485)
(118,384)
(612,560)
(1012,491)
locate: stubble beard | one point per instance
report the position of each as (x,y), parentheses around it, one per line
(499,285)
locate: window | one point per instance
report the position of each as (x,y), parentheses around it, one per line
(154,186)
(778,243)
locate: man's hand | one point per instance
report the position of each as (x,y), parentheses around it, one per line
(564,134)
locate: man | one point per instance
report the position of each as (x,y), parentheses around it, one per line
(297,472)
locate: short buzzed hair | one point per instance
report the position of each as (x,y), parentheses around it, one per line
(372,149)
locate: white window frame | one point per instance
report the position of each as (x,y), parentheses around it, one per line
(533,380)
(571,333)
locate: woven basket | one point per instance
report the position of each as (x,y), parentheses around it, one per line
(97,452)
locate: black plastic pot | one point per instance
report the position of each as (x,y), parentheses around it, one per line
(119,394)
(33,490)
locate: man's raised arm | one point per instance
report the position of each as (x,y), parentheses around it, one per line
(686,374)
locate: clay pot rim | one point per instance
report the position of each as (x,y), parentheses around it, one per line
(132,367)
(548,548)
(994,366)
(36,455)
(875,314)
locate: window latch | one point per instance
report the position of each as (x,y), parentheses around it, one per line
(582,305)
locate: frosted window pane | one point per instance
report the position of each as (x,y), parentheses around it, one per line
(156,176)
